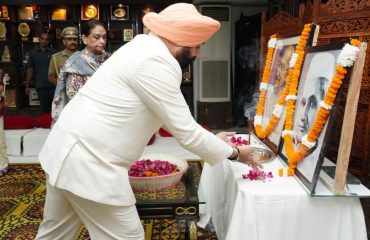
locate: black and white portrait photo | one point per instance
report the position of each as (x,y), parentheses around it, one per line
(317,73)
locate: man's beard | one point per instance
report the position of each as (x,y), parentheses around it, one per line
(184,57)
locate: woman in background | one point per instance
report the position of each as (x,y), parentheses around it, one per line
(80,66)
(4,161)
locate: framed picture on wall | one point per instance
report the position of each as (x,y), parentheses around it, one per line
(11,98)
(316,75)
(25,13)
(119,12)
(89,11)
(59,14)
(128,34)
(33,97)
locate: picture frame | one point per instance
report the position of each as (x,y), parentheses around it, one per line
(4,12)
(284,49)
(317,72)
(90,11)
(59,14)
(33,97)
(128,34)
(11,98)
(25,13)
(119,12)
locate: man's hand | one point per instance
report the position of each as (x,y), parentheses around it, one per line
(225,136)
(246,157)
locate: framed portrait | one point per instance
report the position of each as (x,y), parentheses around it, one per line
(11,98)
(316,75)
(128,34)
(89,11)
(59,14)
(4,12)
(25,13)
(279,71)
(33,97)
(284,49)
(119,12)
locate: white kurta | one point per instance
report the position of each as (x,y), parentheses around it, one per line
(105,127)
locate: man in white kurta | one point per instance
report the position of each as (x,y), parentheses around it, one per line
(106,126)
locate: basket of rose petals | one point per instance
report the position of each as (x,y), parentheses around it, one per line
(153,172)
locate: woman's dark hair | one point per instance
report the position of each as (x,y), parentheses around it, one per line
(86,27)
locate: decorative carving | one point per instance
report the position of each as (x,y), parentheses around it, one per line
(185,211)
(343,6)
(323,41)
(350,26)
(366,78)
(308,12)
(281,21)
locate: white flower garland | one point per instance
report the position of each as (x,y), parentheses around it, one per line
(278,110)
(307,143)
(348,55)
(324,105)
(263,86)
(287,132)
(290,97)
(272,43)
(257,120)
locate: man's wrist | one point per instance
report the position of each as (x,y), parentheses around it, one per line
(235,157)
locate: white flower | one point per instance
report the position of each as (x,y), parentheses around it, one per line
(287,132)
(257,120)
(263,86)
(272,43)
(307,143)
(348,55)
(278,110)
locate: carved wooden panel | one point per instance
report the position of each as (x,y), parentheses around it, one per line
(345,26)
(308,12)
(343,6)
(281,22)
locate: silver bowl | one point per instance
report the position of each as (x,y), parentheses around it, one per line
(262,155)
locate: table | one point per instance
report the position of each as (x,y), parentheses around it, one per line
(275,209)
(180,201)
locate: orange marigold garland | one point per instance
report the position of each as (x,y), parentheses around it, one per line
(297,59)
(346,59)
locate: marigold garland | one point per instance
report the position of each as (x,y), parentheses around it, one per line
(293,74)
(313,134)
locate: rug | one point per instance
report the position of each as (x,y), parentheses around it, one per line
(22,197)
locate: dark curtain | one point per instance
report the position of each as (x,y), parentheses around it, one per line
(247,48)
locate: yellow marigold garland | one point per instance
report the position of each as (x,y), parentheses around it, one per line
(293,74)
(295,156)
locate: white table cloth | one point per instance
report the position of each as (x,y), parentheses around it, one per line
(276,209)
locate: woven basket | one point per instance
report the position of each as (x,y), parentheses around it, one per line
(156,183)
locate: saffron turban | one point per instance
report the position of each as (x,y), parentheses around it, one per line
(182,24)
